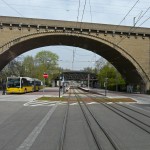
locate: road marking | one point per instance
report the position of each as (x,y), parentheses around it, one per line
(74,104)
(27,143)
(35,103)
(92,103)
(26,104)
(40,103)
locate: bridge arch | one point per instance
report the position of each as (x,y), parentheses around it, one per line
(117,56)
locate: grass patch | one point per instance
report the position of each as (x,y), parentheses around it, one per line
(86,99)
(115,100)
(52,98)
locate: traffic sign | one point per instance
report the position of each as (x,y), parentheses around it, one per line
(45,75)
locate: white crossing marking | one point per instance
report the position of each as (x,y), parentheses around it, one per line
(35,103)
(74,104)
(40,103)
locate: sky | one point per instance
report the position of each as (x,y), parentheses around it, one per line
(117,12)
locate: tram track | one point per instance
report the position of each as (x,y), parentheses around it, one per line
(140,124)
(99,145)
(64,126)
(148,116)
(97,129)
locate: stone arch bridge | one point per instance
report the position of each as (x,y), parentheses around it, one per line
(125,47)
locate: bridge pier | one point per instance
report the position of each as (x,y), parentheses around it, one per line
(147,87)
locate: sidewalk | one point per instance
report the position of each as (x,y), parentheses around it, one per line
(140,98)
(48,92)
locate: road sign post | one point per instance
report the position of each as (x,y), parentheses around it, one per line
(45,76)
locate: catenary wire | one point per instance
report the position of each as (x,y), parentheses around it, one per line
(12,8)
(127,14)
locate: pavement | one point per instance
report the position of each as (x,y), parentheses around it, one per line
(50,92)
(26,124)
(140,98)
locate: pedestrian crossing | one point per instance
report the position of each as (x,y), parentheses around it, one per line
(35,103)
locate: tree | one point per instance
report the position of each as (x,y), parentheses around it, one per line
(13,68)
(29,66)
(99,64)
(114,78)
(46,62)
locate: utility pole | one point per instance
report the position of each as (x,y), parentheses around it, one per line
(73,59)
(134,21)
(105,84)
(59,84)
(116,81)
(88,81)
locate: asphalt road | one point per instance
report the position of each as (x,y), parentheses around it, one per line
(26,124)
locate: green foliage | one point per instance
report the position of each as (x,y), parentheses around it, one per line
(113,77)
(28,66)
(14,68)
(44,61)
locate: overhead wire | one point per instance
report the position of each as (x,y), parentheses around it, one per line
(139,16)
(142,15)
(90,13)
(12,8)
(83,16)
(82,20)
(74,49)
(127,14)
(93,2)
(78,11)
(66,10)
(91,22)
(47,7)
(133,27)
(83,13)
(91,19)
(144,21)
(90,10)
